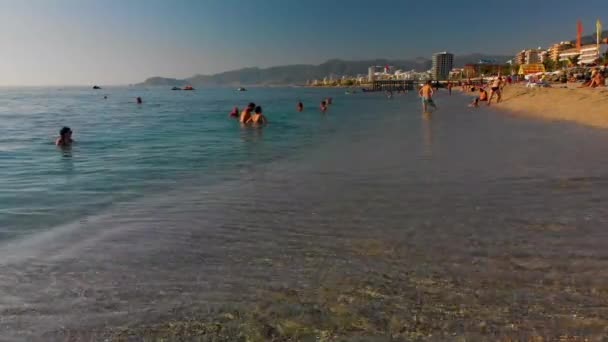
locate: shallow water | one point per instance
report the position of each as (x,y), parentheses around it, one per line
(171,206)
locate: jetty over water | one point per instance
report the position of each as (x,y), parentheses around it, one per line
(393,85)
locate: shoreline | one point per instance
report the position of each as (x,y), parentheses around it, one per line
(585,106)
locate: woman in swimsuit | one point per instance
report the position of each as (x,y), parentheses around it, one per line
(258,118)
(65,137)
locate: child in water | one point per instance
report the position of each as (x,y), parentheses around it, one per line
(235,112)
(65,137)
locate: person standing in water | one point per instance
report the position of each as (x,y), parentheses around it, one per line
(329,101)
(65,137)
(246,114)
(426,93)
(300,106)
(139,100)
(323,106)
(257,118)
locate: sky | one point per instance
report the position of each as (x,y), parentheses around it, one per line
(83,42)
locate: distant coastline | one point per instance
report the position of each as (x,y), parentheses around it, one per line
(301,74)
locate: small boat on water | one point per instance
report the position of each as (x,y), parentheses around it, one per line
(176,88)
(241,89)
(96,87)
(188,88)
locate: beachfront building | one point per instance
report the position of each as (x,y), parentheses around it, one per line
(543,56)
(532,56)
(558,48)
(589,54)
(442,65)
(520,58)
(565,55)
(371,72)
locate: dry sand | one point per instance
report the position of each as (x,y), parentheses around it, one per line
(586,106)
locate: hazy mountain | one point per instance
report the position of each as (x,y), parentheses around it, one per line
(300,73)
(591,38)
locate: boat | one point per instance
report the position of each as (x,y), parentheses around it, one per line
(176,88)
(96,87)
(188,88)
(241,89)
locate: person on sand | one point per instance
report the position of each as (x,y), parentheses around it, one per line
(426,93)
(597,80)
(450,88)
(495,89)
(65,137)
(246,114)
(258,118)
(323,106)
(300,106)
(235,112)
(483,96)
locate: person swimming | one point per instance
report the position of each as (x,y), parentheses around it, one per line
(139,100)
(300,106)
(323,106)
(257,118)
(246,114)
(235,112)
(65,137)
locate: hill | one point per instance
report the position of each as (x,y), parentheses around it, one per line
(300,73)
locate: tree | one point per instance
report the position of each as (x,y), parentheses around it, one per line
(549,64)
(348,83)
(573,61)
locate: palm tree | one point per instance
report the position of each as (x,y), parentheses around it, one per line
(573,61)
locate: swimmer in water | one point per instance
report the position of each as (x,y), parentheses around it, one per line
(257,118)
(323,106)
(105,97)
(139,100)
(246,114)
(235,112)
(300,106)
(329,101)
(65,137)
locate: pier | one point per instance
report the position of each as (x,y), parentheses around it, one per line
(393,85)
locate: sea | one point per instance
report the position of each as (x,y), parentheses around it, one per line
(172,203)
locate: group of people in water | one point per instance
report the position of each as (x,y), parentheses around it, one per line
(253,115)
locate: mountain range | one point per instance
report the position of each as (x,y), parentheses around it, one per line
(298,74)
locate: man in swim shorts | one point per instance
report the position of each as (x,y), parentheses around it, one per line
(495,89)
(426,93)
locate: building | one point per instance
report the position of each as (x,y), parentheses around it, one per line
(565,55)
(442,65)
(371,72)
(544,56)
(558,48)
(589,54)
(520,58)
(532,56)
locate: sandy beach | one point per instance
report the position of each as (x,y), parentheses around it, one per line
(586,106)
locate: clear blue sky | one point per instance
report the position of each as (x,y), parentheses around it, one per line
(48,42)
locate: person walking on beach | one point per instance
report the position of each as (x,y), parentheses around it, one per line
(426,93)
(450,88)
(300,106)
(246,114)
(495,89)
(65,137)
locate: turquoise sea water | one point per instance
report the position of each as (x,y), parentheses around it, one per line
(125,150)
(172,208)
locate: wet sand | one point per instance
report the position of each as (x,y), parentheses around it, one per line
(587,106)
(467,224)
